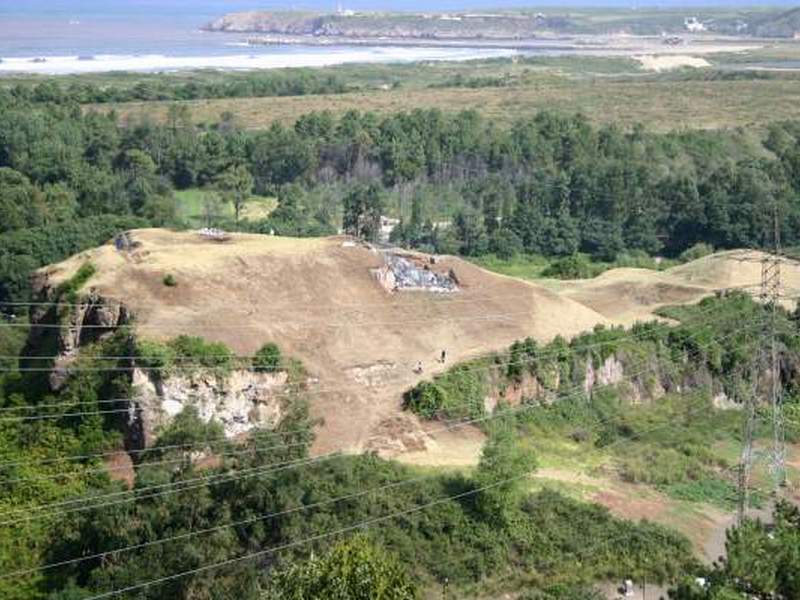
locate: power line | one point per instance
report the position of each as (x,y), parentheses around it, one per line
(230,476)
(326,322)
(299,388)
(284,512)
(540,355)
(224,440)
(361,525)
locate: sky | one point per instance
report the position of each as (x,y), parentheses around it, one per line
(223,6)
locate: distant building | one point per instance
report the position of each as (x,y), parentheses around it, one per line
(694,25)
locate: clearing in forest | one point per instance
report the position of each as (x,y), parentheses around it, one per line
(321,301)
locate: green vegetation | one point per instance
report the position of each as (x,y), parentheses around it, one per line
(435,536)
(355,569)
(555,195)
(552,185)
(208,208)
(456,394)
(70,288)
(629,425)
(24,250)
(185,352)
(268,358)
(761,562)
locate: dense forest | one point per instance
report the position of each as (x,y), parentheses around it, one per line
(554,185)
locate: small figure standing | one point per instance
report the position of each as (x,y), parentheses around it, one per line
(418,368)
(444,356)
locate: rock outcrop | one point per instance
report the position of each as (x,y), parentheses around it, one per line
(643,386)
(240,401)
(508,26)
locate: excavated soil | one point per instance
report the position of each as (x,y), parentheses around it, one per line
(319,299)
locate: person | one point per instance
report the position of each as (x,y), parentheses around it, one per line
(418,368)
(444,356)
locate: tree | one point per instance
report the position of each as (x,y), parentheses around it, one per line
(362,212)
(267,359)
(761,562)
(500,471)
(236,185)
(212,208)
(355,569)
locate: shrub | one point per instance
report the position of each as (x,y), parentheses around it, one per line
(69,289)
(154,356)
(192,352)
(267,359)
(576,266)
(169,280)
(426,399)
(699,250)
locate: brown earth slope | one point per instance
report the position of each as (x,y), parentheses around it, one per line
(318,299)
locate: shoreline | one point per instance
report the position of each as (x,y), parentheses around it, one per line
(315,56)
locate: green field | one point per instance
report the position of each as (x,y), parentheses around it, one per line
(191,208)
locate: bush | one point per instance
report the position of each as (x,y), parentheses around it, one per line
(456,394)
(194,352)
(69,289)
(154,356)
(267,359)
(576,266)
(169,280)
(426,400)
(699,250)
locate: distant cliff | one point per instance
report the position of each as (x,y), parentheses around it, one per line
(386,25)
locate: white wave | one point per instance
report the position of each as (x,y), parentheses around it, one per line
(297,57)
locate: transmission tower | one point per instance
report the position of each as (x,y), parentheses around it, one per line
(770,295)
(766,361)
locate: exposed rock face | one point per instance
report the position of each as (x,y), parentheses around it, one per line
(610,372)
(413,273)
(239,401)
(91,318)
(388,26)
(635,388)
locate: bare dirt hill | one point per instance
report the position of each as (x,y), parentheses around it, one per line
(628,295)
(320,301)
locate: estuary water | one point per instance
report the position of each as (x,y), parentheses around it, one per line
(85,36)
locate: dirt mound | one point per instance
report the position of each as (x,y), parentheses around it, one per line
(320,300)
(627,295)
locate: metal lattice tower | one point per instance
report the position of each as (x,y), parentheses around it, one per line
(766,361)
(771,293)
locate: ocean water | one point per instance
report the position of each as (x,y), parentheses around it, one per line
(78,36)
(83,36)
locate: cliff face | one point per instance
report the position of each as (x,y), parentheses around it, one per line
(240,401)
(391,26)
(637,388)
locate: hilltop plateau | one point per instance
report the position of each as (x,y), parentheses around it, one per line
(327,302)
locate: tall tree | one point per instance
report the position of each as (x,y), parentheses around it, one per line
(236,185)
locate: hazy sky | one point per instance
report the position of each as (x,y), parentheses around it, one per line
(204,6)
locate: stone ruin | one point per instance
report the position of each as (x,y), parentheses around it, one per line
(414,273)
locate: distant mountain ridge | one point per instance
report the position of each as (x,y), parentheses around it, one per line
(784,25)
(389,25)
(506,25)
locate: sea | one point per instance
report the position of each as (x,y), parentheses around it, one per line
(94,36)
